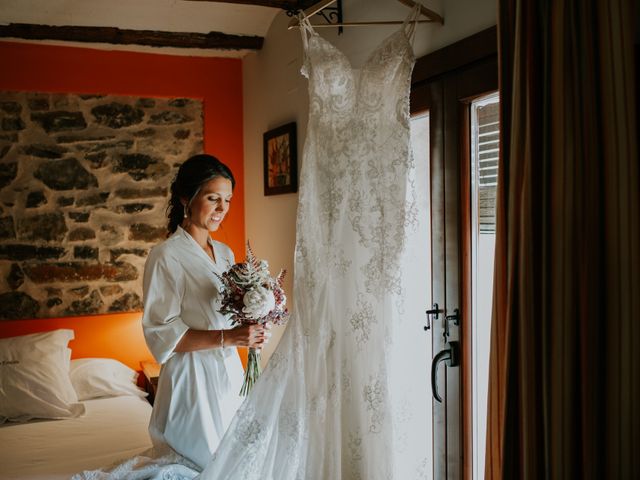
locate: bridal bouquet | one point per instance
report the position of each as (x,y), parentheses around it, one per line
(252,296)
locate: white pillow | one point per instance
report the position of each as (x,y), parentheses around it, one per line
(103,377)
(34,377)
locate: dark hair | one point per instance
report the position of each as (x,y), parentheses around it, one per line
(192,174)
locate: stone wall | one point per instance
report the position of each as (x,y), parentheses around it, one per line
(83,193)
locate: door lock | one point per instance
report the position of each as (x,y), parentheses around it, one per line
(455,318)
(435,311)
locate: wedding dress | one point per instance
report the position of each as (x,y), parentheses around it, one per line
(345,394)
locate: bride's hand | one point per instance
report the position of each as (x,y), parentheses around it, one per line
(253,336)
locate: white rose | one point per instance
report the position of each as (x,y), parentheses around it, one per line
(258,302)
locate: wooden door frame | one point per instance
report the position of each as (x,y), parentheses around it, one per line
(444,82)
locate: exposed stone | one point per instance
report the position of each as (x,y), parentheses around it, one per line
(89,253)
(38,104)
(44,226)
(81,138)
(80,271)
(147,132)
(129,302)
(86,306)
(61,101)
(15,277)
(10,107)
(54,302)
(117,115)
(110,290)
(79,217)
(29,252)
(140,166)
(129,193)
(169,118)
(120,272)
(18,305)
(110,235)
(35,199)
(4,150)
(44,151)
(99,253)
(100,147)
(9,137)
(133,164)
(147,233)
(12,123)
(66,174)
(6,228)
(133,207)
(97,159)
(8,172)
(179,102)
(98,198)
(81,233)
(155,171)
(117,252)
(182,134)
(60,121)
(79,291)
(146,103)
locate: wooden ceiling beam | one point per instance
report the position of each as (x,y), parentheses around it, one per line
(281,4)
(117,36)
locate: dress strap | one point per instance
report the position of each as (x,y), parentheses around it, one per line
(411,21)
(306,29)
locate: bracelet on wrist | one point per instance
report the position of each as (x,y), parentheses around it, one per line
(221,338)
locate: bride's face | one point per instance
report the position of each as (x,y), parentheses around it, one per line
(211,204)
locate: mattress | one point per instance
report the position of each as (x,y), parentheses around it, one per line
(111,430)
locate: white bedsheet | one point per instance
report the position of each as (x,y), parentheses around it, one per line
(112,430)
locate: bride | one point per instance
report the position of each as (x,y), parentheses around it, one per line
(344,395)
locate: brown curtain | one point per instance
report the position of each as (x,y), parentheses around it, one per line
(564,395)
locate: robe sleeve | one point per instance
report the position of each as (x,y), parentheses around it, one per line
(163,289)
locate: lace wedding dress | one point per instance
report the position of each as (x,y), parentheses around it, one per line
(345,394)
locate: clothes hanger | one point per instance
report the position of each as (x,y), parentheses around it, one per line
(430,14)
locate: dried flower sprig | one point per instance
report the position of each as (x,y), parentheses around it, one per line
(250,295)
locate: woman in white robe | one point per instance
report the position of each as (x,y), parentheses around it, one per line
(201,374)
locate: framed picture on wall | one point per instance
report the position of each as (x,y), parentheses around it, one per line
(281,160)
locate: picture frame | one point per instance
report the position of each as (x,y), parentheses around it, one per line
(280,148)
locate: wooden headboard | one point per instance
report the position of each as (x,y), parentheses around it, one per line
(116,336)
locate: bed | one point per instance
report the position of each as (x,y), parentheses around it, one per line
(69,397)
(111,430)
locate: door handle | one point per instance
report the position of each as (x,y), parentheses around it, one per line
(452,354)
(435,311)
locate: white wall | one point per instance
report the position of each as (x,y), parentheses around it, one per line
(275,93)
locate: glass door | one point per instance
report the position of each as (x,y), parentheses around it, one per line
(485,132)
(462,144)
(420,126)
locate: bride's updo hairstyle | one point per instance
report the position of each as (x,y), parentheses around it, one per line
(192,174)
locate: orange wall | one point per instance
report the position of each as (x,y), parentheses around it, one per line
(217,81)
(116,336)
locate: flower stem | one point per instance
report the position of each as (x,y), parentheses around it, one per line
(252,373)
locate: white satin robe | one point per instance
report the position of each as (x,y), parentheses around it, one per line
(198,392)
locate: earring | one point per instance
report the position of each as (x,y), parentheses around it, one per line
(185,214)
